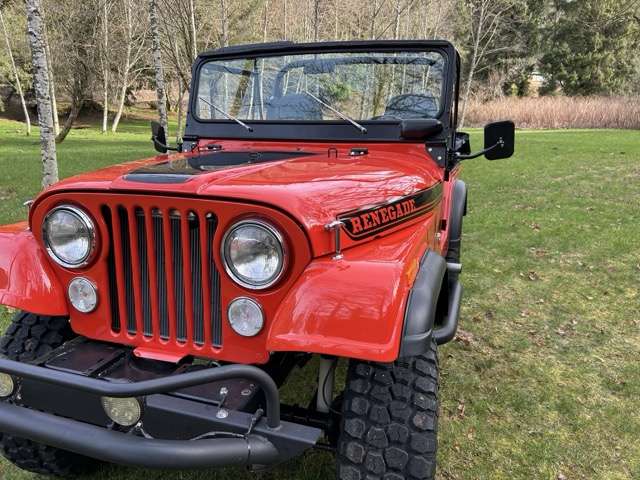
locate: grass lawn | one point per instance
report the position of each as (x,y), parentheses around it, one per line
(544,382)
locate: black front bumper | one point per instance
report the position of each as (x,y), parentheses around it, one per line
(173,418)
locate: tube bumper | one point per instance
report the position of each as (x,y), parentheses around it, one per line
(120,448)
(242,438)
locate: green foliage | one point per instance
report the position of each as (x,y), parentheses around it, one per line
(510,41)
(15,22)
(591,46)
(335,91)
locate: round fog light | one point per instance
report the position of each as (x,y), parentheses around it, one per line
(123,411)
(6,385)
(246,317)
(83,295)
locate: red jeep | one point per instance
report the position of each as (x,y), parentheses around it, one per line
(314,208)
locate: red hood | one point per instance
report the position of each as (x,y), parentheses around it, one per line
(313,188)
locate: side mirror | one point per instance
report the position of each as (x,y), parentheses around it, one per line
(499,140)
(159,138)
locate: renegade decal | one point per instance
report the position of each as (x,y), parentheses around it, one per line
(369,221)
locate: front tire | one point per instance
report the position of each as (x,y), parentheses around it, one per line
(390,420)
(29,337)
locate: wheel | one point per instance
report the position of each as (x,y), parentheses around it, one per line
(390,420)
(29,337)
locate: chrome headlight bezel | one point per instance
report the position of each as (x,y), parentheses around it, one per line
(228,264)
(90,225)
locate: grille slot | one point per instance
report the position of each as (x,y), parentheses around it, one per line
(162,277)
(214,285)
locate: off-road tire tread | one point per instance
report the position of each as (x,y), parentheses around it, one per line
(30,337)
(390,418)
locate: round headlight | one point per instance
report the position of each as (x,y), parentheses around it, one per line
(69,235)
(6,385)
(123,411)
(253,254)
(83,295)
(245,316)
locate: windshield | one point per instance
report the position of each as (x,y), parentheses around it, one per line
(323,86)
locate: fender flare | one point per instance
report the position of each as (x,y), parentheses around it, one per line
(27,281)
(422,305)
(458,212)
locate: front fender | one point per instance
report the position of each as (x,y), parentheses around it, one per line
(353,307)
(27,281)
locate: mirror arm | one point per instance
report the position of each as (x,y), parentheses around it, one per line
(168,147)
(470,156)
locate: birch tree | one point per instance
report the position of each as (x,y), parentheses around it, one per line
(135,50)
(105,64)
(18,84)
(193,31)
(487,18)
(52,82)
(35,30)
(156,49)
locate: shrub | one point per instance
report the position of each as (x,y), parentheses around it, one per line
(558,112)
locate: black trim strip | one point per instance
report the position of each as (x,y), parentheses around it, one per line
(368,221)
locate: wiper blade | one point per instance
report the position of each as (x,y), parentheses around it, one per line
(339,113)
(228,115)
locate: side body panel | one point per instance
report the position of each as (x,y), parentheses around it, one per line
(27,281)
(354,307)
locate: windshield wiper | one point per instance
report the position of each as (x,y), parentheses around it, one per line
(340,114)
(228,115)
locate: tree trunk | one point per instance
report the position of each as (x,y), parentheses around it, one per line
(52,84)
(265,22)
(127,65)
(35,29)
(472,64)
(224,40)
(121,99)
(285,16)
(316,19)
(76,105)
(161,91)
(396,36)
(181,92)
(105,67)
(17,77)
(194,38)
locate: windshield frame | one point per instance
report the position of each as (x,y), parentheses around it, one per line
(378,130)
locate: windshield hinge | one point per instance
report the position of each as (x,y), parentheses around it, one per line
(336,226)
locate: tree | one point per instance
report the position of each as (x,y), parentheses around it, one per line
(35,31)
(591,43)
(157,63)
(134,34)
(76,30)
(18,84)
(485,38)
(52,83)
(105,63)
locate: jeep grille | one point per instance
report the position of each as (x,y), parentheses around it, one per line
(161,273)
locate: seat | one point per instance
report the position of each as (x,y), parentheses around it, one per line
(294,106)
(411,105)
